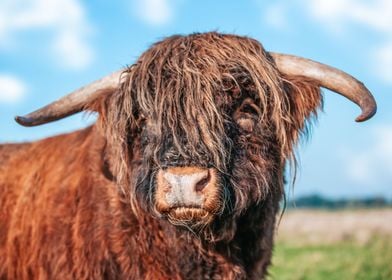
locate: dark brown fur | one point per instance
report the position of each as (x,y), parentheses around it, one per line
(81,205)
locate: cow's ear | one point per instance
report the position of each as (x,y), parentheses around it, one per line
(100,104)
(303,99)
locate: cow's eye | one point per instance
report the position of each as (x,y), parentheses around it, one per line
(246,115)
(250,108)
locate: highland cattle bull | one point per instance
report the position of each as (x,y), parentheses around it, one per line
(181,175)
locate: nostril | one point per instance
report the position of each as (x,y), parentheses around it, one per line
(200,185)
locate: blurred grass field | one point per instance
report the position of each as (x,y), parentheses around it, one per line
(347,244)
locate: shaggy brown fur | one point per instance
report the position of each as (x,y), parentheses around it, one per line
(82,205)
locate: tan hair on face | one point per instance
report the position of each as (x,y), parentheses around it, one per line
(176,83)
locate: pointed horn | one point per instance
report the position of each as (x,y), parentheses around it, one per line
(71,103)
(330,78)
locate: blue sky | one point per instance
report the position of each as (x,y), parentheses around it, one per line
(51,47)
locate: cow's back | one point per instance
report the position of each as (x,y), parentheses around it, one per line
(8,151)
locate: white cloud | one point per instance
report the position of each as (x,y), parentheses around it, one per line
(374,14)
(374,164)
(72,50)
(154,12)
(275,16)
(12,89)
(64,19)
(339,16)
(383,61)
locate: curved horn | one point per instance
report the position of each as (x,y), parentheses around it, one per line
(71,103)
(330,78)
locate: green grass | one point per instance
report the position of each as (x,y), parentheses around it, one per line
(345,260)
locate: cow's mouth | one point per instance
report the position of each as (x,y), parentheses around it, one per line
(186,214)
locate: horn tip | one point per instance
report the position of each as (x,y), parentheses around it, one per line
(366,115)
(24,121)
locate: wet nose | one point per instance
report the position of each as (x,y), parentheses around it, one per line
(185,186)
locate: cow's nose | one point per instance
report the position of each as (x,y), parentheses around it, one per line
(193,181)
(185,186)
(188,193)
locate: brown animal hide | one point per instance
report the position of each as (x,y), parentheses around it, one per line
(93,204)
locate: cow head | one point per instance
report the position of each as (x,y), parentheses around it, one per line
(200,127)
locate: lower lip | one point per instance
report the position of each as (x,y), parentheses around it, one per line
(189,212)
